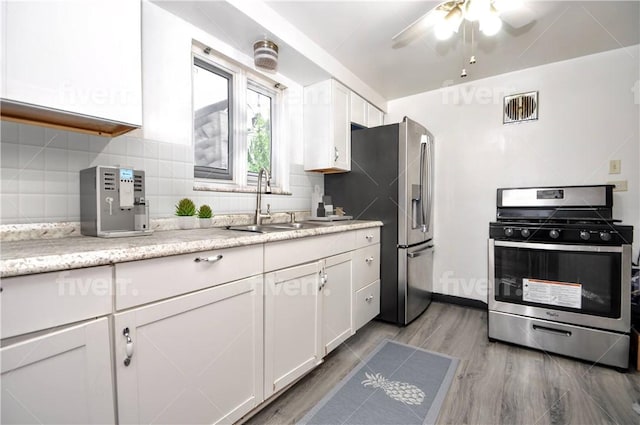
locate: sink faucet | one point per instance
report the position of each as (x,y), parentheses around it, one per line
(259,214)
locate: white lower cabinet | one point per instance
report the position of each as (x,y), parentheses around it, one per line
(366,304)
(291,324)
(63,377)
(196,358)
(336,302)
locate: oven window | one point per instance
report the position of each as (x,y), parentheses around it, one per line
(580,282)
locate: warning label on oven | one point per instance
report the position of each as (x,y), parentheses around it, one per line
(563,294)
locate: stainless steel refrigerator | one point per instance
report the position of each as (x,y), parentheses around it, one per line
(391,180)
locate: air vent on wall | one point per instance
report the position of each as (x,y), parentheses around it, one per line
(520,107)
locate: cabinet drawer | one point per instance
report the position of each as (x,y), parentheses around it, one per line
(366,266)
(279,255)
(141,282)
(366,304)
(46,300)
(367,237)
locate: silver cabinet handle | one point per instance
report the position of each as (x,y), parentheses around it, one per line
(369,298)
(212,259)
(129,347)
(368,260)
(337,154)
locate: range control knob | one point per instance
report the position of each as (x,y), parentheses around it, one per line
(508,231)
(584,235)
(605,236)
(525,233)
(554,234)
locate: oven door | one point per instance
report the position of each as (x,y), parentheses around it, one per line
(580,284)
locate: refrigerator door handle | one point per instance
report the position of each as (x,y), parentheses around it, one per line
(419,253)
(429,183)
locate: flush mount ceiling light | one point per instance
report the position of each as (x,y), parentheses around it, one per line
(450,16)
(265,55)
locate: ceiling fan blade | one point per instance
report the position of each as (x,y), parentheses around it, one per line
(416,29)
(518,18)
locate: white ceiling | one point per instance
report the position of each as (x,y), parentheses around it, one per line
(358,34)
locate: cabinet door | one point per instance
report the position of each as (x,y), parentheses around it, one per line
(77,56)
(336,302)
(341,154)
(374,116)
(64,377)
(358,110)
(291,324)
(195,358)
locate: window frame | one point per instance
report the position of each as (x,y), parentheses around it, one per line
(211,173)
(272,94)
(245,78)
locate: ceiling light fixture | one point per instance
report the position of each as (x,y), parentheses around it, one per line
(449,16)
(265,55)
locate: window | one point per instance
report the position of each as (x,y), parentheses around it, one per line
(212,121)
(235,117)
(259,135)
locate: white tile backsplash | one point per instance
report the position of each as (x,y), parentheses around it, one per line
(8,132)
(40,179)
(31,157)
(31,135)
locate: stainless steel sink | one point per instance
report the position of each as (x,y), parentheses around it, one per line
(256,229)
(275,227)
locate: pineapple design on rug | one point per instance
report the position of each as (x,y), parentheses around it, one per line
(400,391)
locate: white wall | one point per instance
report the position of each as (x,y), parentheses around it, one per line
(589,114)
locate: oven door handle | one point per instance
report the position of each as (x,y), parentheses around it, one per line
(559,247)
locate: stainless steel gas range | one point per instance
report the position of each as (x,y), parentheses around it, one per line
(559,273)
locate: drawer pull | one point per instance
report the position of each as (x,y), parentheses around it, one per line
(368,260)
(560,332)
(369,298)
(129,346)
(212,259)
(369,237)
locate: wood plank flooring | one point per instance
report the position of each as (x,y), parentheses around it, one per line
(496,383)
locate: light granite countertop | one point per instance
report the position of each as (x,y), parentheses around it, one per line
(46,255)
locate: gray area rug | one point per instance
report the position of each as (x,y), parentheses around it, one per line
(396,384)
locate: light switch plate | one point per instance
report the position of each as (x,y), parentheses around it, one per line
(621,185)
(614,166)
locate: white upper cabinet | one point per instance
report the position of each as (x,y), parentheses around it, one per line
(327,127)
(358,110)
(374,116)
(73,58)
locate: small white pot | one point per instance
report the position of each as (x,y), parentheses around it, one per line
(186,222)
(205,223)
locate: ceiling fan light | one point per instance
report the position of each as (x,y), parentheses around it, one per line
(490,24)
(443,31)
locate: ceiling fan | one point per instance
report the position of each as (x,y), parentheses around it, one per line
(447,18)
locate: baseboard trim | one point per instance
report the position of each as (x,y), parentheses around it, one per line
(466,302)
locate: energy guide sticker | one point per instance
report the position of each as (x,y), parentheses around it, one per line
(562,294)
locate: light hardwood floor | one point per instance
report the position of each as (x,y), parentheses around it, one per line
(495,383)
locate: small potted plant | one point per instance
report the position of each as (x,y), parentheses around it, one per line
(186,210)
(204,214)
